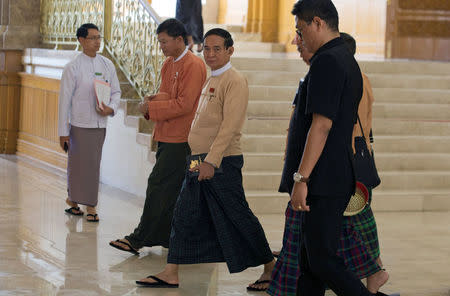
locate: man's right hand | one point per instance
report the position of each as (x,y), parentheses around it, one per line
(63,140)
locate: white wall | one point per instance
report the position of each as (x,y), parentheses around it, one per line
(236,12)
(125,163)
(164,8)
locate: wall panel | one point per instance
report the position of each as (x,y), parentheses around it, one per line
(38,127)
(418,29)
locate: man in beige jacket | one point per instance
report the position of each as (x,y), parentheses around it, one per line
(212,220)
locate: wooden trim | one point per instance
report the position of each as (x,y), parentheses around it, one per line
(34,150)
(424,5)
(39,82)
(44,143)
(9,79)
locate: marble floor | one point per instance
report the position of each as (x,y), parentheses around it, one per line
(43,251)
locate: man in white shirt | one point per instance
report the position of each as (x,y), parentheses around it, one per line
(82,122)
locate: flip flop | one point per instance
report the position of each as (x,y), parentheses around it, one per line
(72,211)
(158,284)
(95,216)
(131,249)
(258,289)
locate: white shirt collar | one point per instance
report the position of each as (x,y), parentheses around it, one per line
(182,55)
(89,57)
(220,71)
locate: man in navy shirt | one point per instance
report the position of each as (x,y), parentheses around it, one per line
(324,179)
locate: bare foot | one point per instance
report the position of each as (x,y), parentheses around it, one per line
(168,275)
(91,210)
(376,281)
(71,203)
(91,214)
(264,280)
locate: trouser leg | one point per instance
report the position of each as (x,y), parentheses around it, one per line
(320,264)
(164,184)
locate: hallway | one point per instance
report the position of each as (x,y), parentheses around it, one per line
(43,251)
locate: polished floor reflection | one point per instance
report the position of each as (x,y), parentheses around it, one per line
(43,251)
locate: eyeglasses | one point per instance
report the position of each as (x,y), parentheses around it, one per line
(95,38)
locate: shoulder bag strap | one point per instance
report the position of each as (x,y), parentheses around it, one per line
(360,126)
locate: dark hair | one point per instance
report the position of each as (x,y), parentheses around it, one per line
(173,28)
(306,10)
(82,31)
(228,41)
(349,41)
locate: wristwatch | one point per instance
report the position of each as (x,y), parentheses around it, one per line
(299,178)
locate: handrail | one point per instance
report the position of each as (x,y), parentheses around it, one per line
(133,44)
(152,12)
(129,28)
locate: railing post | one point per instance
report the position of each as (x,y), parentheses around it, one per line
(107,19)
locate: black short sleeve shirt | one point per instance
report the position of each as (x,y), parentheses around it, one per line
(298,129)
(334,89)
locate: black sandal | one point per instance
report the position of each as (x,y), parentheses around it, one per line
(131,249)
(95,216)
(72,211)
(159,283)
(249,288)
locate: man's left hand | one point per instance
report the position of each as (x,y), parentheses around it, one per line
(205,171)
(106,110)
(143,107)
(298,197)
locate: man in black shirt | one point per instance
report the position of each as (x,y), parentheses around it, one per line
(324,179)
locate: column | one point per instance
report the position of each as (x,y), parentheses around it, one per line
(286,24)
(268,24)
(222,15)
(251,15)
(19,24)
(10,66)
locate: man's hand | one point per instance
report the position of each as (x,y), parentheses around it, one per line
(106,110)
(63,140)
(205,171)
(143,107)
(298,197)
(149,98)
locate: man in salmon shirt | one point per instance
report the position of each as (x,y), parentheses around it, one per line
(172,109)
